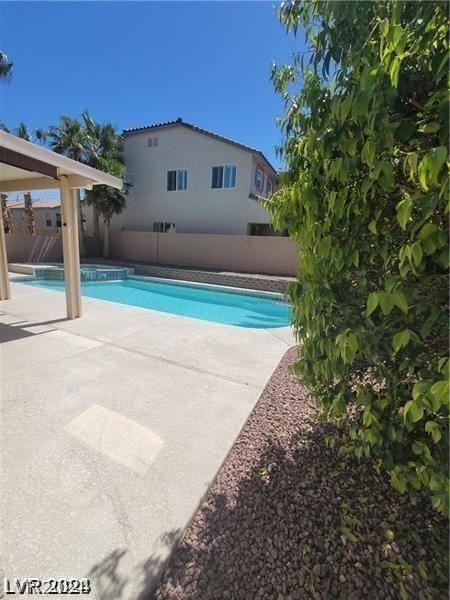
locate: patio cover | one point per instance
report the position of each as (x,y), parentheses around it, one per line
(25,167)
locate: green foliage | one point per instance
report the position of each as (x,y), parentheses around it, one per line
(98,145)
(6,67)
(103,148)
(23,132)
(68,137)
(365,195)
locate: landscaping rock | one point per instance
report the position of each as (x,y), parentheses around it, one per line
(289,518)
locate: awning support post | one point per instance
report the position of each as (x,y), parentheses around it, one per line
(5,291)
(69,210)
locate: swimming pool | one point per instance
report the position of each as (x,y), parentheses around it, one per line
(201,302)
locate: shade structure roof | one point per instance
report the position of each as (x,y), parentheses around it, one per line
(26,166)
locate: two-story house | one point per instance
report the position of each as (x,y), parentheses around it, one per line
(188,180)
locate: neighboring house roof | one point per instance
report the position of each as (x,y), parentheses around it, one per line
(49,203)
(221,138)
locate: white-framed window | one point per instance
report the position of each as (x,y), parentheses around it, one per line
(151,142)
(269,187)
(164,226)
(223,176)
(177,180)
(259,180)
(48,222)
(182,179)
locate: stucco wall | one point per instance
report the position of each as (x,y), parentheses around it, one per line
(243,254)
(246,254)
(42,214)
(33,248)
(40,217)
(199,209)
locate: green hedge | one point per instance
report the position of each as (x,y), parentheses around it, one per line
(365,195)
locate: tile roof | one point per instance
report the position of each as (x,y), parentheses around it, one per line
(216,136)
(44,203)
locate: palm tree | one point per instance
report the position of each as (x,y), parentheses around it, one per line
(8,223)
(68,137)
(6,67)
(24,133)
(104,151)
(102,142)
(100,146)
(108,202)
(29,214)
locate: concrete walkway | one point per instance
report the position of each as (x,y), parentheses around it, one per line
(113,427)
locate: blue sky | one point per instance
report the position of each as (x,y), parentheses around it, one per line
(137,63)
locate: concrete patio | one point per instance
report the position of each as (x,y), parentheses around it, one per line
(113,427)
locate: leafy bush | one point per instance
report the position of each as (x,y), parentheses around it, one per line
(365,195)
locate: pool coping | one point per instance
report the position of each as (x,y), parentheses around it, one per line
(32,269)
(214,287)
(276,296)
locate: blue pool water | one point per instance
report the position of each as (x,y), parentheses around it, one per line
(202,303)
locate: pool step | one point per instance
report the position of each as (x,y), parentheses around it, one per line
(56,272)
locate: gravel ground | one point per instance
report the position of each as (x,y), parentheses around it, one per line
(287,518)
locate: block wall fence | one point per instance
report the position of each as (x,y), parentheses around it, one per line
(237,253)
(268,255)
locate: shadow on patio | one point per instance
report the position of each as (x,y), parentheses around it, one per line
(22,329)
(111,585)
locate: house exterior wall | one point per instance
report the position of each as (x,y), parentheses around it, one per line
(40,217)
(199,208)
